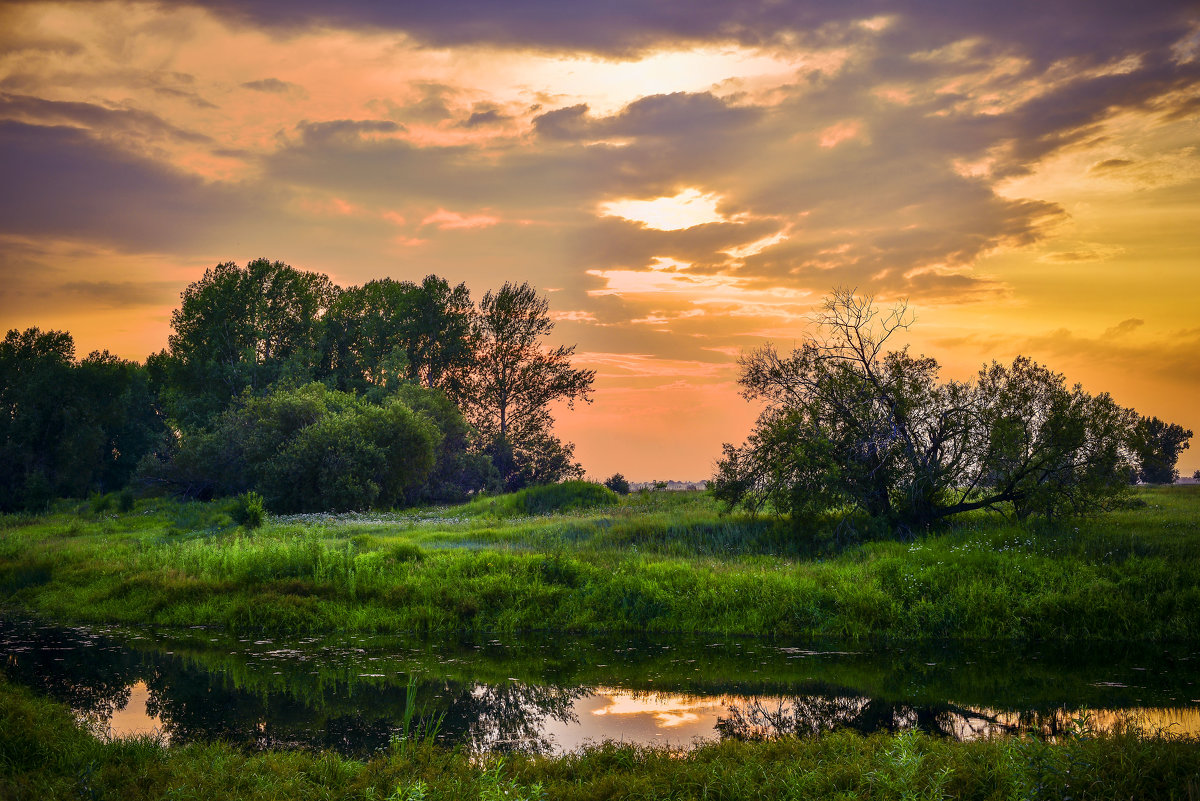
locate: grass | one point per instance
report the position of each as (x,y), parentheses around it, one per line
(46,754)
(652,562)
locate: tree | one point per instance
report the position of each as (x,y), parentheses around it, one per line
(1158,447)
(617,483)
(68,428)
(386,330)
(507,393)
(238,329)
(849,425)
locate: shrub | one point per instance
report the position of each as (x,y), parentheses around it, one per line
(100,503)
(309,449)
(125,501)
(249,511)
(617,483)
(563,497)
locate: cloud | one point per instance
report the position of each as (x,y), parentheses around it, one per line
(482,116)
(61,182)
(101,119)
(1123,328)
(271,86)
(1082,253)
(116,294)
(1111,164)
(452,220)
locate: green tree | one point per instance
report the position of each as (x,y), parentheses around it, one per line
(848,424)
(507,393)
(68,428)
(459,470)
(306,449)
(386,330)
(1158,447)
(617,483)
(238,329)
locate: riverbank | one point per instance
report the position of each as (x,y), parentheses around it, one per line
(46,754)
(655,562)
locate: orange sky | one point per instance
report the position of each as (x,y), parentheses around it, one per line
(685,180)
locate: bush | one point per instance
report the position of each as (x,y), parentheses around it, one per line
(309,449)
(249,512)
(125,501)
(100,503)
(563,497)
(617,483)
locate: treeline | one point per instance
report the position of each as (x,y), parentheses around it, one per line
(318,397)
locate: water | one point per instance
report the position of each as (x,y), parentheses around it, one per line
(552,693)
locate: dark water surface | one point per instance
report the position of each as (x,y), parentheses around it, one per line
(551,693)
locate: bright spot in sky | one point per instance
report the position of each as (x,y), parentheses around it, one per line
(756,247)
(689,208)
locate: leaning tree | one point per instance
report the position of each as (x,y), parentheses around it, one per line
(848,424)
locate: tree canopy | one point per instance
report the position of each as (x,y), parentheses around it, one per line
(69,427)
(515,379)
(850,425)
(239,329)
(1158,445)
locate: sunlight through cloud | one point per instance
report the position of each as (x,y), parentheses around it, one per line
(689,208)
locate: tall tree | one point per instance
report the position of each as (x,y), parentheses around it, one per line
(240,328)
(508,392)
(1158,446)
(385,330)
(66,427)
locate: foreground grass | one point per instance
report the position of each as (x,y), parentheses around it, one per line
(656,562)
(45,754)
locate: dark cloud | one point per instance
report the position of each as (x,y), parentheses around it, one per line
(672,115)
(92,116)
(569,123)
(184,94)
(115,294)
(1111,164)
(1047,30)
(61,182)
(484,117)
(324,133)
(270,85)
(1123,328)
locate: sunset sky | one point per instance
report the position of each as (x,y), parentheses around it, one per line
(684,179)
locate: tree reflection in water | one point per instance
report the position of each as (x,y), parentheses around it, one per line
(350,694)
(839,709)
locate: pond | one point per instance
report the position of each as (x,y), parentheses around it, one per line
(551,693)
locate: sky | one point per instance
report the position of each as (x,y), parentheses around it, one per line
(685,180)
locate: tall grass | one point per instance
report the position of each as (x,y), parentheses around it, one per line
(649,563)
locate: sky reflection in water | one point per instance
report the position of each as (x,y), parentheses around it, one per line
(535,694)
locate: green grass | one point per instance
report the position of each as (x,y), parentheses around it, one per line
(45,754)
(650,562)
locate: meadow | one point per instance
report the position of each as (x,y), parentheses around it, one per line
(649,562)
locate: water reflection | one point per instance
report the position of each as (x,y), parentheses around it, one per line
(544,695)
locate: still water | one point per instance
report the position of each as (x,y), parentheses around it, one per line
(552,693)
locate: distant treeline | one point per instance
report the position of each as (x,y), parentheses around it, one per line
(277,380)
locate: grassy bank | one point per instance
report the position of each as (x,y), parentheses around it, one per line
(45,754)
(653,562)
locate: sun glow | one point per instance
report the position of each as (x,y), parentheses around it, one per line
(687,209)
